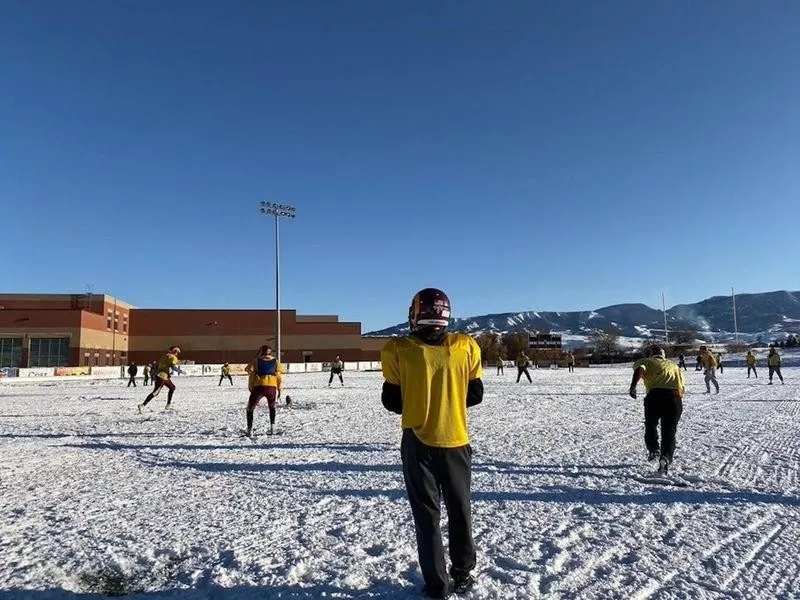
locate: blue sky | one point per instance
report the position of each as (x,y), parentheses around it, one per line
(519,155)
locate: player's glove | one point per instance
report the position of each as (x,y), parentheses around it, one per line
(632,393)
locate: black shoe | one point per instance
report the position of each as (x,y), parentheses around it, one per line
(463,584)
(652,455)
(435,593)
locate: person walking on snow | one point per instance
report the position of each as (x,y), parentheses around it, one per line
(663,403)
(682,362)
(162,376)
(132,371)
(774,365)
(719,362)
(431,378)
(523,362)
(146,374)
(751,364)
(337,366)
(264,381)
(224,373)
(500,365)
(571,362)
(710,365)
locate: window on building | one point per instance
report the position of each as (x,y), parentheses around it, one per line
(49,352)
(10,352)
(125,326)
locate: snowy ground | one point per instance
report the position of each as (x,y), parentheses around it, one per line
(175,505)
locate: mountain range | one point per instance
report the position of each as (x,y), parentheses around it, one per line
(759,317)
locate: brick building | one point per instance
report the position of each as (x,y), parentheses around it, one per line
(44,330)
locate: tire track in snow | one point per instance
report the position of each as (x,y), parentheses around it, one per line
(752,556)
(649,590)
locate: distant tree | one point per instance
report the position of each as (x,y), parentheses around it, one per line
(606,342)
(684,337)
(791,341)
(489,343)
(514,343)
(736,348)
(781,344)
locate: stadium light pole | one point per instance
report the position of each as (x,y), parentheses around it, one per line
(277,211)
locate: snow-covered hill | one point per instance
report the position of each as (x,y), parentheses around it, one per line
(767,316)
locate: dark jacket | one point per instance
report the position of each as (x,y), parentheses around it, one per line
(133,370)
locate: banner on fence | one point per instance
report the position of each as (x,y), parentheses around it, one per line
(313,367)
(108,372)
(8,371)
(73,371)
(190,370)
(36,372)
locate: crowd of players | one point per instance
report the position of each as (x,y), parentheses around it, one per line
(431,377)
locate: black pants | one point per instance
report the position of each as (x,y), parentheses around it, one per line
(664,406)
(335,372)
(721,368)
(432,474)
(500,370)
(520,371)
(571,368)
(682,365)
(775,371)
(223,377)
(753,369)
(146,380)
(132,381)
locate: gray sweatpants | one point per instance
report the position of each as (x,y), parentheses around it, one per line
(711,377)
(430,475)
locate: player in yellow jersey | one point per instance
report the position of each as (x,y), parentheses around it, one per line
(523,362)
(774,364)
(225,373)
(751,364)
(432,376)
(161,375)
(264,381)
(663,380)
(710,365)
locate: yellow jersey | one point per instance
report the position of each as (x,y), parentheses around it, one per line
(165,365)
(661,374)
(433,382)
(751,360)
(774,360)
(226,370)
(265,371)
(709,362)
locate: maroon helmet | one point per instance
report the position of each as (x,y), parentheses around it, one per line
(430,307)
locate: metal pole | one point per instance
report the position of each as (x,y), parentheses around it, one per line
(735,324)
(664,308)
(278,211)
(277,292)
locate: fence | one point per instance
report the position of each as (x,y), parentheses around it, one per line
(8,374)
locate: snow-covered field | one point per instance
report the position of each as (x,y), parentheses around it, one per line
(95,498)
